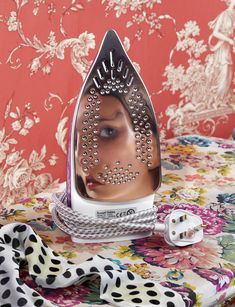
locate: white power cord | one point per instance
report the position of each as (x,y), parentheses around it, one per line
(85,227)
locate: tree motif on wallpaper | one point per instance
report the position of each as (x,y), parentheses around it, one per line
(19,176)
(143,14)
(205,86)
(50,50)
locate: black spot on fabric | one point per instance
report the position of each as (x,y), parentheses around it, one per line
(169,294)
(137,300)
(36,269)
(22,301)
(41,259)
(130,276)
(90,259)
(149,284)
(170,304)
(130,287)
(33,277)
(108,267)
(20,290)
(54,253)
(53,269)
(38,303)
(101,256)
(6,294)
(29,250)
(6,305)
(44,244)
(134,292)
(35,294)
(115,294)
(70,262)
(2,259)
(110,274)
(55,261)
(17,261)
(2,272)
(67,274)
(2,248)
(19,281)
(118,300)
(17,254)
(15,243)
(5,280)
(94,269)
(7,238)
(19,228)
(43,251)
(152,293)
(105,288)
(50,280)
(80,272)
(33,238)
(118,282)
(154,302)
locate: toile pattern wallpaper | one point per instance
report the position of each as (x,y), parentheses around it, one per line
(183,49)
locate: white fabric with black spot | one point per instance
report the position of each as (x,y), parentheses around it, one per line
(18,242)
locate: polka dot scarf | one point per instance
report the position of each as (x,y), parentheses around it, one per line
(18,242)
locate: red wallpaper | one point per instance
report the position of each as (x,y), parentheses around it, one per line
(184,50)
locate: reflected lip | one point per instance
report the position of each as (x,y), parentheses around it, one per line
(91,182)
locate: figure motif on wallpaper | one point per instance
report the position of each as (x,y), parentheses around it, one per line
(205,81)
(220,64)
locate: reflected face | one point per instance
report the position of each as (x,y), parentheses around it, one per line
(113,162)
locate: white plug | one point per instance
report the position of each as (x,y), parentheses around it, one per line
(181,228)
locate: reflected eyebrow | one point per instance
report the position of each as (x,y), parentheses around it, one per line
(111,118)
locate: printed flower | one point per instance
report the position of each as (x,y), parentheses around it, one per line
(186,194)
(42,182)
(16,125)
(86,42)
(195,140)
(217,276)
(28,123)
(24,131)
(120,8)
(181,150)
(211,219)
(156,251)
(226,198)
(35,65)
(140,268)
(46,69)
(53,159)
(174,274)
(12,22)
(125,251)
(195,178)
(17,176)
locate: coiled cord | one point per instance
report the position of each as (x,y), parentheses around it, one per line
(86,227)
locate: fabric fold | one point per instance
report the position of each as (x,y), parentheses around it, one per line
(19,243)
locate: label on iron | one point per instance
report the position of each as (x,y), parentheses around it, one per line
(114,213)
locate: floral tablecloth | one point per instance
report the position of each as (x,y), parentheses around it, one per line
(199,176)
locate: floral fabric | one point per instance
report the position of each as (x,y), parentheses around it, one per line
(183,49)
(199,176)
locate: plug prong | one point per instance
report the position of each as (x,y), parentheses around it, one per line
(183,218)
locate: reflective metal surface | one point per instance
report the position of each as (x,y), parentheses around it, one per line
(115,146)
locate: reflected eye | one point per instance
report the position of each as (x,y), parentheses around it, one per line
(108,132)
